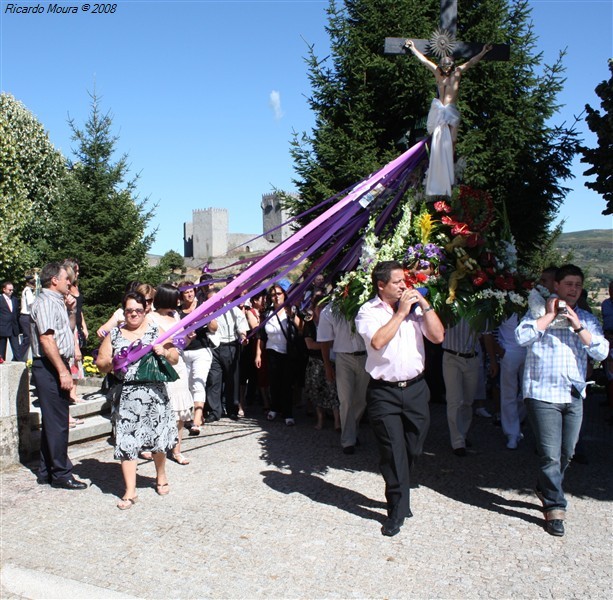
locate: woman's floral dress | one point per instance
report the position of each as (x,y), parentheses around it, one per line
(144,418)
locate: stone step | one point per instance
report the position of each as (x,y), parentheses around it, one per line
(94,405)
(94,427)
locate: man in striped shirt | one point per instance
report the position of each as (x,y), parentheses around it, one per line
(52,348)
(554,384)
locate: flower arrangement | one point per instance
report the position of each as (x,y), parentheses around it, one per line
(460,249)
(89,367)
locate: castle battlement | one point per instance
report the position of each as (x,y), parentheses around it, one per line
(207,235)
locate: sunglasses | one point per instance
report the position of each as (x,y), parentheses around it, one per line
(138,311)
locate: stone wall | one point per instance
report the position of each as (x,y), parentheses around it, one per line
(15,442)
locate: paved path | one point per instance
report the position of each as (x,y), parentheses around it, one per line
(266,511)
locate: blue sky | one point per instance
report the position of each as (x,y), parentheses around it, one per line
(205,94)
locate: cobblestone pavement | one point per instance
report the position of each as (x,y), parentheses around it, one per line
(269,511)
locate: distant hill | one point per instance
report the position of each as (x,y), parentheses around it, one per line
(592,250)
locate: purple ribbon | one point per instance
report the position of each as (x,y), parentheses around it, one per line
(335,226)
(122,359)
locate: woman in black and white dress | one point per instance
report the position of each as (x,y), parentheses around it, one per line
(144,419)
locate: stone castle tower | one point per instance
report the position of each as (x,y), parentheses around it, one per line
(207,235)
(273,215)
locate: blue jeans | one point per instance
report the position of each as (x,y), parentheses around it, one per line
(556,428)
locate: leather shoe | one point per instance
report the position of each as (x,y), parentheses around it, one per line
(391,526)
(555,527)
(349,450)
(69,484)
(42,481)
(210,418)
(459,451)
(233,416)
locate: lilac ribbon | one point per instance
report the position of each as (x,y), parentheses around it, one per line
(335,226)
(122,359)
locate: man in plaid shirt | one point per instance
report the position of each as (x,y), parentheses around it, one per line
(558,345)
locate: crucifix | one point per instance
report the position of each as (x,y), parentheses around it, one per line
(444,117)
(449,23)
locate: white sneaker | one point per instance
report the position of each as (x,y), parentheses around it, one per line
(290,422)
(272,415)
(483,412)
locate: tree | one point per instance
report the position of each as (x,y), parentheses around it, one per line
(601,157)
(172,261)
(171,267)
(367,104)
(31,175)
(101,221)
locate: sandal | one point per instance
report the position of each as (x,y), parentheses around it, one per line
(194,430)
(179,458)
(126,503)
(163,489)
(146,455)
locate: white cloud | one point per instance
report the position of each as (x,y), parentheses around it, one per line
(275,103)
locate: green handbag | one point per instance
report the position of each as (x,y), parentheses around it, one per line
(153,368)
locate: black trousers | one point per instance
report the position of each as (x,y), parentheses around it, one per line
(14,341)
(223,380)
(280,376)
(54,404)
(24,327)
(400,418)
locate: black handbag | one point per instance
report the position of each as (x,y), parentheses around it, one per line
(153,368)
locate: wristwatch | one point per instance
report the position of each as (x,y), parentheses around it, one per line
(579,330)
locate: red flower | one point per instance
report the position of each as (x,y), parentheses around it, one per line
(457,227)
(442,206)
(409,278)
(480,278)
(421,277)
(527,284)
(504,283)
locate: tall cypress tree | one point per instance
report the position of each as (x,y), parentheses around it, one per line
(367,105)
(102,221)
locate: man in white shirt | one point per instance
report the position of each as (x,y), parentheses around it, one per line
(461,374)
(27,300)
(223,378)
(335,334)
(393,325)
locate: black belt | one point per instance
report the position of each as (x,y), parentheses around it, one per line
(228,343)
(460,354)
(65,360)
(396,384)
(360,353)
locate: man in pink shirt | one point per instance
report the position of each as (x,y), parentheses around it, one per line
(393,325)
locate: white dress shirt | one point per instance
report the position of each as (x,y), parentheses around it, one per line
(335,328)
(403,357)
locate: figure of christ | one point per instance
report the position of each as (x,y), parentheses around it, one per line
(444,118)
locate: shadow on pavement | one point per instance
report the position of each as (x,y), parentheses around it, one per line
(477,479)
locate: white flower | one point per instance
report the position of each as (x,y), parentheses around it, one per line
(536,303)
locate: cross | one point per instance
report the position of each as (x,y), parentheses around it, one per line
(449,21)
